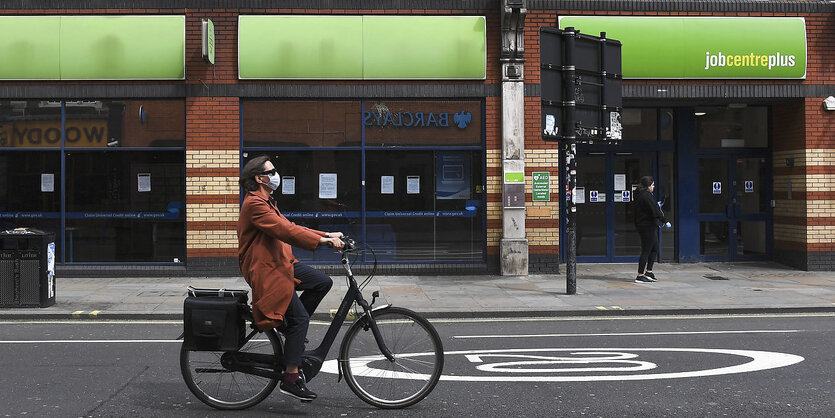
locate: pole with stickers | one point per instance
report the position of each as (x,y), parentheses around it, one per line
(580,78)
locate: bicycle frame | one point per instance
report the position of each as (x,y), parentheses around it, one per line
(312,360)
(263,365)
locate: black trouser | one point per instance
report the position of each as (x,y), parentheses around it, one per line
(314,286)
(649,249)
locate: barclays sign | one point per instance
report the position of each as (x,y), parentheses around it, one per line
(416,119)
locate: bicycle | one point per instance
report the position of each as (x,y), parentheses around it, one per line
(391,357)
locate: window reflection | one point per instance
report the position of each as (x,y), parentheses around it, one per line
(733,126)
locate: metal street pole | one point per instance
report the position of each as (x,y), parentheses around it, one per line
(570,81)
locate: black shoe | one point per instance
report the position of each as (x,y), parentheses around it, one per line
(643,279)
(651,276)
(297,390)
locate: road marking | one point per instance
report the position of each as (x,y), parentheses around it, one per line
(88,341)
(76,314)
(630,317)
(619,334)
(760,360)
(601,308)
(618,308)
(94,313)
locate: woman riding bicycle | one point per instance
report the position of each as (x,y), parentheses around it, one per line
(266,259)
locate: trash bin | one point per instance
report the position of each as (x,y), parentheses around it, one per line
(27,268)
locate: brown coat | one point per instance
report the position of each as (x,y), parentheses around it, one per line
(266,258)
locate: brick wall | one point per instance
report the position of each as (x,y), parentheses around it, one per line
(212,192)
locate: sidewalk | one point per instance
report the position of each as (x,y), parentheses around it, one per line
(602,289)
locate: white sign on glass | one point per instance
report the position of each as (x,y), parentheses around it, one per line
(620,181)
(386,184)
(579,195)
(327,185)
(47,182)
(288,185)
(143,182)
(413,184)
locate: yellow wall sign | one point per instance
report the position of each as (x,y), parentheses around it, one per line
(47,134)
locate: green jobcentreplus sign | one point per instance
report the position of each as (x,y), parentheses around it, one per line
(541,186)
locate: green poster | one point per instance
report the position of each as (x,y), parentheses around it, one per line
(541,186)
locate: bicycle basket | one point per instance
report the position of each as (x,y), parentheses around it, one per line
(213,319)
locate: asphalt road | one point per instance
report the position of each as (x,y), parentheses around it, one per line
(740,366)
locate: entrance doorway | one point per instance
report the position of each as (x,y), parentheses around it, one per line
(734,207)
(605,219)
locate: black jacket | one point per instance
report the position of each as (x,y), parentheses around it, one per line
(647,213)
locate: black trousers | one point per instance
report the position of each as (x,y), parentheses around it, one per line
(649,249)
(314,286)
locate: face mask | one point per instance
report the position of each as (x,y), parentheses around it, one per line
(275,181)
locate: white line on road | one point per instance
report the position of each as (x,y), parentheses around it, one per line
(617,334)
(89,341)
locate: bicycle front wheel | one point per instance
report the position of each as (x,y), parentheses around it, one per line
(418,359)
(222,388)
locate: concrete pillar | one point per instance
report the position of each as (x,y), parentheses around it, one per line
(513,247)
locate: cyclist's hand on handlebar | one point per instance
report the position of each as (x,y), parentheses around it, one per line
(335,235)
(335,243)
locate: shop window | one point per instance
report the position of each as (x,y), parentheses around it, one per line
(30,124)
(117,167)
(640,124)
(420,204)
(301,124)
(30,187)
(422,123)
(424,205)
(125,206)
(320,189)
(125,124)
(733,126)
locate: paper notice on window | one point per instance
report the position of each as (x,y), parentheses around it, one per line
(412,184)
(579,195)
(601,197)
(47,182)
(288,185)
(386,184)
(327,185)
(143,182)
(620,182)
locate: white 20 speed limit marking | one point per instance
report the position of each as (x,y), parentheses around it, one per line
(551,364)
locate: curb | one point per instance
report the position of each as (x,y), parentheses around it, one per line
(177,316)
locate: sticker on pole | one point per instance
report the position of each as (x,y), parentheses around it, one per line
(550,125)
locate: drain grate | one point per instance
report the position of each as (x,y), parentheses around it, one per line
(715,277)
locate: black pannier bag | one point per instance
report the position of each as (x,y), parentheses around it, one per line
(214,319)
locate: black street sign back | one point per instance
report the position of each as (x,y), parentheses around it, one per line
(581,86)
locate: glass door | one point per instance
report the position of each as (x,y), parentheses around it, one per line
(734,210)
(628,169)
(605,186)
(592,207)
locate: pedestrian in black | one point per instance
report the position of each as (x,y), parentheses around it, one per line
(648,218)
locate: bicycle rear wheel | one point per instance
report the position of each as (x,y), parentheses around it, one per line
(222,388)
(418,359)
